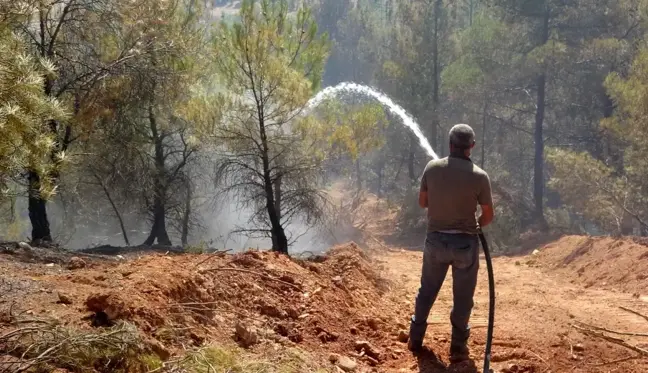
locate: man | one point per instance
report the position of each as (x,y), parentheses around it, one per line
(451,189)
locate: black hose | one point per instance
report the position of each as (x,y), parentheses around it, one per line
(491,303)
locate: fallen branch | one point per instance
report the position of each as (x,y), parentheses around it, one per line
(616,341)
(193,307)
(253,273)
(547,366)
(634,312)
(213,255)
(379,243)
(616,361)
(613,331)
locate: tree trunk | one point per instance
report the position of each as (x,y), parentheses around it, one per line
(358,175)
(37,207)
(471,12)
(278,196)
(184,239)
(380,172)
(437,75)
(277,232)
(158,231)
(538,166)
(483,144)
(410,159)
(538,169)
(115,209)
(279,239)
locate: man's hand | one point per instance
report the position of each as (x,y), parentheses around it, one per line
(423,199)
(486,216)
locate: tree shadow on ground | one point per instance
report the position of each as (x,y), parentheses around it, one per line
(429,362)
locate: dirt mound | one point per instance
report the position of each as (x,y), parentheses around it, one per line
(606,262)
(326,304)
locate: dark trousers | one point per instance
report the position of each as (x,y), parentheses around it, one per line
(442,250)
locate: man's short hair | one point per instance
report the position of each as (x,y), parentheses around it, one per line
(462,136)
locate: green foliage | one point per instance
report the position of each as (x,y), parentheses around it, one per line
(155,102)
(25,111)
(354,130)
(263,56)
(484,50)
(464,73)
(591,188)
(609,194)
(549,54)
(151,362)
(196,249)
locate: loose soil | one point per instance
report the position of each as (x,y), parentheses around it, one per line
(351,302)
(604,262)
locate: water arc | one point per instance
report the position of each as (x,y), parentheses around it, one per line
(394,108)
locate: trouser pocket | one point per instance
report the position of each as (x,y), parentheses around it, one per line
(463,249)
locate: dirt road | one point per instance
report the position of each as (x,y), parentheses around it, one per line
(534,312)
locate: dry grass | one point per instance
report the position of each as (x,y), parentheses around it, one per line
(233,360)
(36,345)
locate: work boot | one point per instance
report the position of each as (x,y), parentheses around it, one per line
(415,346)
(459,353)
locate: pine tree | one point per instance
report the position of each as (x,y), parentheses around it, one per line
(25,111)
(270,65)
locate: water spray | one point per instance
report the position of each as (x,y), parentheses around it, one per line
(394,108)
(410,123)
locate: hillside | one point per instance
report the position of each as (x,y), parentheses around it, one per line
(604,262)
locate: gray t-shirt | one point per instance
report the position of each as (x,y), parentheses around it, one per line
(455,186)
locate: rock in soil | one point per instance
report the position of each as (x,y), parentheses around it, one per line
(346,364)
(246,335)
(368,349)
(272,311)
(326,336)
(159,349)
(334,358)
(25,246)
(403,336)
(76,263)
(374,324)
(64,298)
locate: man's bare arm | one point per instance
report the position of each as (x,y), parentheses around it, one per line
(423,198)
(486,216)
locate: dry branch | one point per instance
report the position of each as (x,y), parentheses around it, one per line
(616,341)
(616,361)
(212,256)
(634,312)
(266,277)
(613,331)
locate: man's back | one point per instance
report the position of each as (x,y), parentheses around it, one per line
(455,186)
